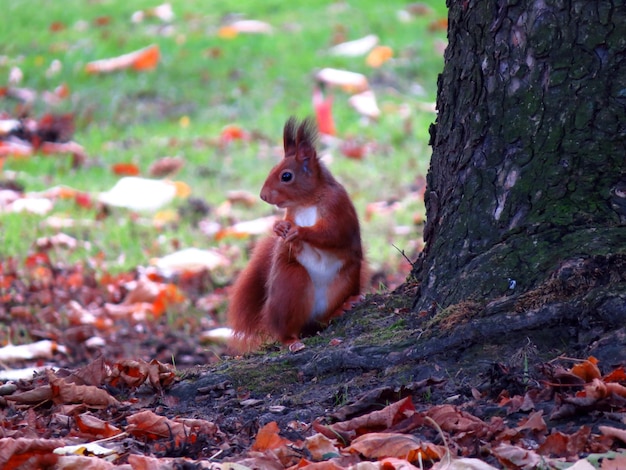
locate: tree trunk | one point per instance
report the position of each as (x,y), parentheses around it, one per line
(526,198)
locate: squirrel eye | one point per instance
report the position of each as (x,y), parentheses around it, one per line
(286,176)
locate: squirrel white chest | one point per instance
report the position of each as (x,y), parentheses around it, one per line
(322,266)
(306,217)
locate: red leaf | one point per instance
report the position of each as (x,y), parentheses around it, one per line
(125,169)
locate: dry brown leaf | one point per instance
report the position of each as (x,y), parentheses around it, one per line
(64,392)
(160,374)
(376,420)
(81,462)
(516,457)
(453,420)
(403,446)
(95,426)
(244,198)
(613,432)
(325,465)
(130,372)
(32,397)
(534,422)
(14,452)
(166,166)
(199,426)
(320,447)
(149,425)
(558,444)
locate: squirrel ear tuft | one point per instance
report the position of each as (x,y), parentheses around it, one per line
(306,139)
(289,136)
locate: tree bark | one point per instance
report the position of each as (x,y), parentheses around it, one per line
(526,194)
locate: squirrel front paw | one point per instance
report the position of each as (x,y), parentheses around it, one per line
(281,228)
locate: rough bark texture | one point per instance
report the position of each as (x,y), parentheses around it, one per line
(527,183)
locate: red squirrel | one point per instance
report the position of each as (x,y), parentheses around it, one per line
(313,265)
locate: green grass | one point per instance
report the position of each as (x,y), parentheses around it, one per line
(253,81)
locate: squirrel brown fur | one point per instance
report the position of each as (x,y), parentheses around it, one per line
(313,265)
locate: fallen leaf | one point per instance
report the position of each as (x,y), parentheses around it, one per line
(613,432)
(192,259)
(355,48)
(245,229)
(365,104)
(587,369)
(352,82)
(403,446)
(320,446)
(125,169)
(30,452)
(140,60)
(64,392)
(233,132)
(378,56)
(516,457)
(267,438)
(376,420)
(140,194)
(40,349)
(148,425)
(438,25)
(166,166)
(163,12)
(617,375)
(233,29)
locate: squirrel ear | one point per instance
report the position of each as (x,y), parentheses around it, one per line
(289,136)
(306,139)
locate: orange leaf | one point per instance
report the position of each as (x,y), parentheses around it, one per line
(267,438)
(125,169)
(378,56)
(617,375)
(232,132)
(438,25)
(227,32)
(90,424)
(587,370)
(140,60)
(148,59)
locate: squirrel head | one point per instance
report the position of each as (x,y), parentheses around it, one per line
(295,180)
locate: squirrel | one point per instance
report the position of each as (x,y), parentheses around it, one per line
(312,267)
